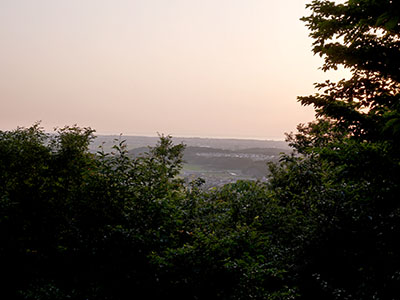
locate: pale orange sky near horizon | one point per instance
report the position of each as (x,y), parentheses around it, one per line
(212,68)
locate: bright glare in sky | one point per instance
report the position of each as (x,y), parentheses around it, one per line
(226,68)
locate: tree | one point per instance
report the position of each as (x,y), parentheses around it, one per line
(79,225)
(363,36)
(352,155)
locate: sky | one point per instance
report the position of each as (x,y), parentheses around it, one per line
(209,68)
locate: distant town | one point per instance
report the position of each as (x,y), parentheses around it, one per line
(216,161)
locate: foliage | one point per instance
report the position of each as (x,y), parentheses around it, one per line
(79,225)
(235,245)
(347,171)
(103,226)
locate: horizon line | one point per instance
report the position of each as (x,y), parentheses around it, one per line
(275,139)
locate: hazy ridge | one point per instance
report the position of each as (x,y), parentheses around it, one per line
(226,144)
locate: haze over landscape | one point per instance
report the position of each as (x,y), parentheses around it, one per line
(227,68)
(142,151)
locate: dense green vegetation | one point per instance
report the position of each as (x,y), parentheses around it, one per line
(106,226)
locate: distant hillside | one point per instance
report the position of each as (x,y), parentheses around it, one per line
(227,144)
(218,161)
(219,166)
(203,155)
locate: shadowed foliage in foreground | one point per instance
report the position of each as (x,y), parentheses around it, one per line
(326,225)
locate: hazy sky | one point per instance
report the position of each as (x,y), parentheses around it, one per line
(218,68)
